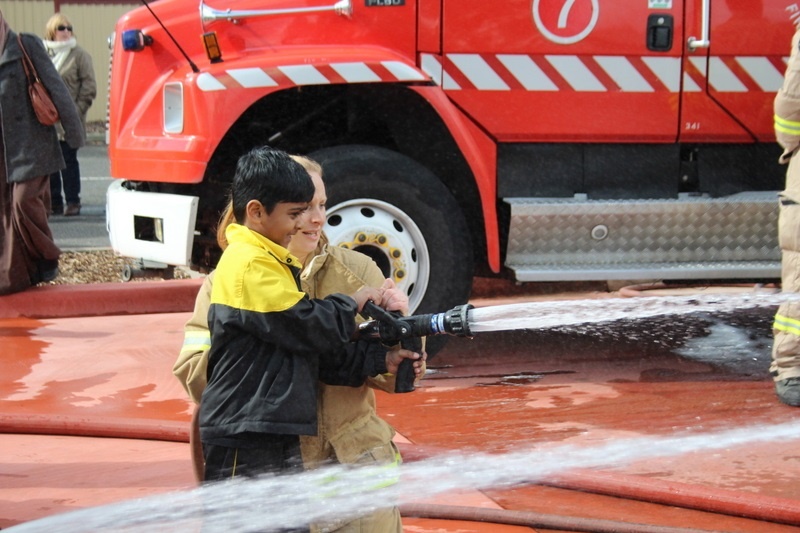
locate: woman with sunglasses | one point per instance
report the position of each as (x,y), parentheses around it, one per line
(74,64)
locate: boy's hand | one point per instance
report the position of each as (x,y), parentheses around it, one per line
(367,293)
(396,355)
(394,299)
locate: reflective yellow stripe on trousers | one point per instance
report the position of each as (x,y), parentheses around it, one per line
(787,325)
(381,472)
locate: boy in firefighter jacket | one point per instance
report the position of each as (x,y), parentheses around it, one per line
(267,336)
(350,430)
(785,368)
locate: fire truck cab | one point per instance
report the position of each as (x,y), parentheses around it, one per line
(545,140)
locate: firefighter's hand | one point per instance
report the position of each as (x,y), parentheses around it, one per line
(788,153)
(396,355)
(367,293)
(394,299)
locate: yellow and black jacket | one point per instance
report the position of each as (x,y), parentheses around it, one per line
(267,341)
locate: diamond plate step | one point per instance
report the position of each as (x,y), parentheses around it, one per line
(691,237)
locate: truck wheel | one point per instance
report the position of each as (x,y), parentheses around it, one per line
(396,211)
(127,273)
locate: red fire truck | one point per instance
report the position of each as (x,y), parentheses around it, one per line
(541,139)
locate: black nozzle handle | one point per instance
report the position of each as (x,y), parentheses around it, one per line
(373,310)
(404,379)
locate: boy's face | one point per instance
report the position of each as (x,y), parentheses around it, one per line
(278,226)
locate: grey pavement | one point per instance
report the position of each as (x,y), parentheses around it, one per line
(87,231)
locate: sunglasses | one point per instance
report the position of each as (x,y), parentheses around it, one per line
(62,28)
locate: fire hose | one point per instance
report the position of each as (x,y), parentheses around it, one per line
(535,520)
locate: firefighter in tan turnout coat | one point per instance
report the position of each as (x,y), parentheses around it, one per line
(785,368)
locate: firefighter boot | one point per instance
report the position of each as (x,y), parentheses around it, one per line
(788,391)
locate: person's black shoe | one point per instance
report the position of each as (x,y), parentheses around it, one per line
(48,270)
(57,210)
(788,391)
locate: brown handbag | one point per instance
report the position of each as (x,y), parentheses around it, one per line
(42,104)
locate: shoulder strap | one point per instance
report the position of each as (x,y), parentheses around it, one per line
(27,64)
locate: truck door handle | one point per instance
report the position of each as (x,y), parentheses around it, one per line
(703,41)
(659,32)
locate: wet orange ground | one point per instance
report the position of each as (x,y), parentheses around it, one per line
(91,414)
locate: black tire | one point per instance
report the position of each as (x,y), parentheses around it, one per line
(375,191)
(127,273)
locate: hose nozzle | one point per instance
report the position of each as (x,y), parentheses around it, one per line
(392,328)
(453,322)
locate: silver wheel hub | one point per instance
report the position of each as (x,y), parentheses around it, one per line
(388,235)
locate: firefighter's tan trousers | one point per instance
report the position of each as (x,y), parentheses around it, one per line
(786,329)
(385,520)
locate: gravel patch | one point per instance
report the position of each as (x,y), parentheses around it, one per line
(98,266)
(104,266)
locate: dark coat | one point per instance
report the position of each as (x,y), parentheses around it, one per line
(32,149)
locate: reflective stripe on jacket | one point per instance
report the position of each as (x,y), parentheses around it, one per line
(787,105)
(786,324)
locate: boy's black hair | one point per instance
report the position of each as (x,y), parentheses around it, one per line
(271,177)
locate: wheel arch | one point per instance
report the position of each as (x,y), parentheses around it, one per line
(395,218)
(397,117)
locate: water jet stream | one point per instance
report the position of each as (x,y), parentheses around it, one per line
(554,314)
(337,491)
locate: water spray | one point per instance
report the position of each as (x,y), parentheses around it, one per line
(392,328)
(342,490)
(336,491)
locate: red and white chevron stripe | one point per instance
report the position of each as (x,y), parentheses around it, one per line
(603,73)
(508,72)
(307,74)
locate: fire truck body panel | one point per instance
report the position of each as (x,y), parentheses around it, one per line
(277,34)
(749,45)
(429,26)
(278,46)
(609,85)
(214,99)
(480,153)
(488,57)
(564,140)
(738,74)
